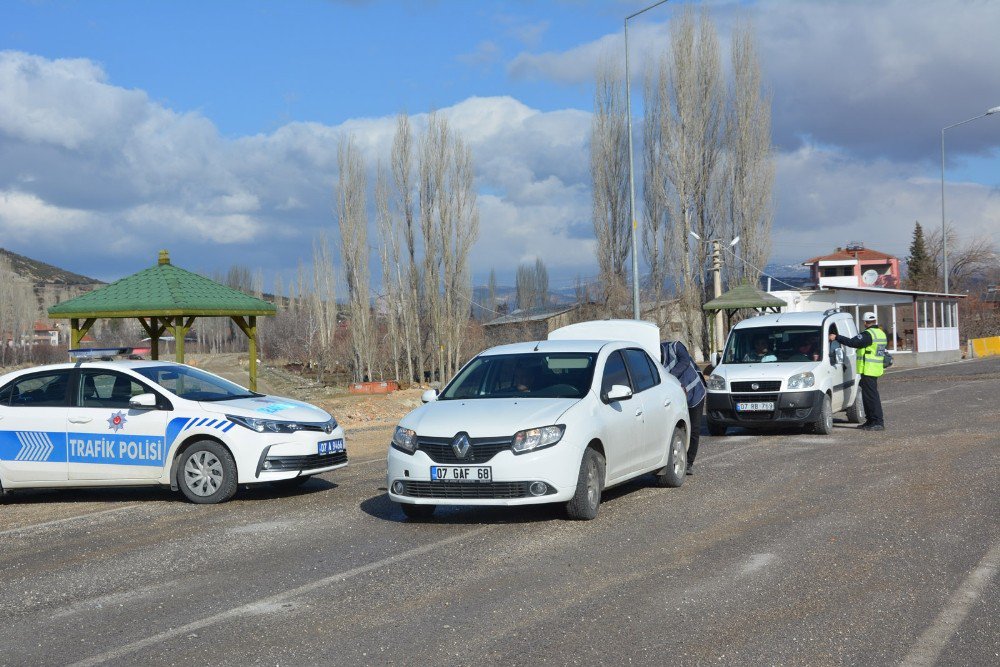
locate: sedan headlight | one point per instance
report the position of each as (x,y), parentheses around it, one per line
(531,439)
(716,382)
(266,425)
(802,381)
(405,439)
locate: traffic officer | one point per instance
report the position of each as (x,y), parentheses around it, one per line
(871,364)
(678,362)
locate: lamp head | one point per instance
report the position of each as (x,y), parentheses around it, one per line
(695,235)
(734,241)
(993,111)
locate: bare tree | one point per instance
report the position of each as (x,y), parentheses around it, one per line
(402,172)
(393,286)
(749,160)
(532,285)
(352,219)
(970,262)
(609,177)
(18,310)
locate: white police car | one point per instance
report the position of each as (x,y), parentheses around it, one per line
(133,423)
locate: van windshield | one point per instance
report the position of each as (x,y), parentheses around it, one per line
(532,375)
(774,344)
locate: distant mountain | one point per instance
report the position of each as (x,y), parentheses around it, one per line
(39,273)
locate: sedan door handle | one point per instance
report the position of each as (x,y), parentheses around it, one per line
(667,403)
(638,413)
(80,420)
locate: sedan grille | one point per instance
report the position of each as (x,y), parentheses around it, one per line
(465,490)
(309,462)
(762,385)
(481,450)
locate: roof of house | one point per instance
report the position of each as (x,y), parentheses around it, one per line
(842,254)
(530,315)
(162,290)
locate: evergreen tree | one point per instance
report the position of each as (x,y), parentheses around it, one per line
(921,269)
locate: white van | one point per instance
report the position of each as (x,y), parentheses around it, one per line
(783,370)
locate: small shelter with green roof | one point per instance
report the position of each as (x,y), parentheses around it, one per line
(745,297)
(166,297)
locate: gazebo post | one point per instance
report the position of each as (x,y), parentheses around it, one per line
(253,353)
(79,331)
(181,329)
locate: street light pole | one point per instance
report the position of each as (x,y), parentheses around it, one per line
(631,168)
(944,231)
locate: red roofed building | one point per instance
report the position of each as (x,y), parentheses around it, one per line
(855,266)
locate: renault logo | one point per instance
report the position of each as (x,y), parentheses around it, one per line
(460,445)
(755,386)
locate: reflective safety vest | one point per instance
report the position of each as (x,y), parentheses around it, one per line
(871,359)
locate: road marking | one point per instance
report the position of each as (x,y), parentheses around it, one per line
(935,638)
(271,601)
(55,522)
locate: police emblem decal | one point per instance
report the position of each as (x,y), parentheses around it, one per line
(116,421)
(461,445)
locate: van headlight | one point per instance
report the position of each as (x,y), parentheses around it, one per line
(802,381)
(716,382)
(531,439)
(405,439)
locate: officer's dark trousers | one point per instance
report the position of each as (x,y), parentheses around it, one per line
(694,418)
(871,400)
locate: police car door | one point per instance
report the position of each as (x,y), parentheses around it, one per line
(107,439)
(33,427)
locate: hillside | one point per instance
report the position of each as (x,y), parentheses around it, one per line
(38,272)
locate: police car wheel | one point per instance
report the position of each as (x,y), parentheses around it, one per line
(206,473)
(672,475)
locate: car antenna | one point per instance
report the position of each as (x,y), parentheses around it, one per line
(536,346)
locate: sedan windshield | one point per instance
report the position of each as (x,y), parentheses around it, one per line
(531,375)
(193,384)
(771,344)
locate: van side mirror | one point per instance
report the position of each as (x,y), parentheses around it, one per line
(716,358)
(429,395)
(836,354)
(143,402)
(618,392)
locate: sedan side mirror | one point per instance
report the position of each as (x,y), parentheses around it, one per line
(143,402)
(429,395)
(618,392)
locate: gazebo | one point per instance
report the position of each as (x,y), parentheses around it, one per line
(745,297)
(162,298)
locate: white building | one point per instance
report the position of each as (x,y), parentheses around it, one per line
(922,327)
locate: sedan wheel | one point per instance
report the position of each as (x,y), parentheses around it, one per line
(587,499)
(672,475)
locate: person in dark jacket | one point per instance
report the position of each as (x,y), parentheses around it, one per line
(871,364)
(678,362)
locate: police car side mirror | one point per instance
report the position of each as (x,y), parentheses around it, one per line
(429,395)
(143,402)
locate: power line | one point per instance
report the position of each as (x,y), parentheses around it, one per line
(762,272)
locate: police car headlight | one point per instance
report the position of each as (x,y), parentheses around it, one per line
(802,381)
(405,439)
(265,425)
(717,382)
(535,438)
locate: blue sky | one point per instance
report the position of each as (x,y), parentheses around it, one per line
(210,128)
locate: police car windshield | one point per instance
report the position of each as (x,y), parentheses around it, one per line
(532,375)
(773,344)
(194,385)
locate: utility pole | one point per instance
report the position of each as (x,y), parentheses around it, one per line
(717,292)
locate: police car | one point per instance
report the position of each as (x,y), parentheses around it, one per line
(135,423)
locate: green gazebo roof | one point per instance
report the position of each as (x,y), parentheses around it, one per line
(744,296)
(161,291)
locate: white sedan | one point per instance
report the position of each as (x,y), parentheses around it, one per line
(554,421)
(138,423)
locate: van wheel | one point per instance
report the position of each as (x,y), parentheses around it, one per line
(716,428)
(824,426)
(586,501)
(856,413)
(206,473)
(672,475)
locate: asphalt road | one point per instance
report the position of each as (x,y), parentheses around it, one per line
(785,549)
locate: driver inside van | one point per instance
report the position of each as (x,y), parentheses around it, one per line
(761,351)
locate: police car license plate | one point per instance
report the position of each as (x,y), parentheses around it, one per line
(762,406)
(330,446)
(461,474)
